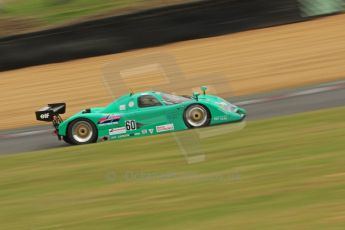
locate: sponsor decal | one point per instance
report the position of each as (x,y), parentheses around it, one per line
(109,119)
(131,104)
(44,116)
(144,131)
(115,131)
(124,135)
(122,107)
(221,118)
(151,131)
(137,134)
(164,128)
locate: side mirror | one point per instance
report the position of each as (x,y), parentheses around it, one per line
(196,95)
(203,89)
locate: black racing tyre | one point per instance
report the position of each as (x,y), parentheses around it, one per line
(196,116)
(66,139)
(82,131)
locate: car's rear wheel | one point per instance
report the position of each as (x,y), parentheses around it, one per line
(67,140)
(82,131)
(196,115)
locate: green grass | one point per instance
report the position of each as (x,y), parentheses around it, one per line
(283,173)
(51,12)
(20,16)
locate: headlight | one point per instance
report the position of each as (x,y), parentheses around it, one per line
(228,107)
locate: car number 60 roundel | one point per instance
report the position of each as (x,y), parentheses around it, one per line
(131,125)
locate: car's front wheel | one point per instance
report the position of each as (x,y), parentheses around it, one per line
(82,131)
(196,115)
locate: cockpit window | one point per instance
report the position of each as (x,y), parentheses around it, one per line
(148,101)
(170,99)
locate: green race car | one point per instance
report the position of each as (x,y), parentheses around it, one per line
(140,114)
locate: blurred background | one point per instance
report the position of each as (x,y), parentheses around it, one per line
(20,16)
(282,60)
(24,16)
(65,47)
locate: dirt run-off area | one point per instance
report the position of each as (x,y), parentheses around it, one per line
(236,64)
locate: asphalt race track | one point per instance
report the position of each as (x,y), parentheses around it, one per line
(259,107)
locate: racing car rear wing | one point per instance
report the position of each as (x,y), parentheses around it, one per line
(51,112)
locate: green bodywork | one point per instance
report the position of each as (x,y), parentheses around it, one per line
(124,118)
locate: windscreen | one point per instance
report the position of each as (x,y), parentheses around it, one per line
(170,99)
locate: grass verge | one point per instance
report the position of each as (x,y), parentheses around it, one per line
(50,13)
(283,173)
